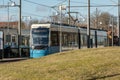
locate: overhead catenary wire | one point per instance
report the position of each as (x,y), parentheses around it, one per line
(110,9)
(37,3)
(54,7)
(83,2)
(45,5)
(28,13)
(113,1)
(96,5)
(60,3)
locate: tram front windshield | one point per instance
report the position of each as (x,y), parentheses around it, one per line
(40,36)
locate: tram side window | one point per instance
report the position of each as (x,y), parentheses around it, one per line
(72,39)
(103,40)
(8,38)
(83,39)
(100,40)
(64,39)
(54,39)
(13,38)
(93,39)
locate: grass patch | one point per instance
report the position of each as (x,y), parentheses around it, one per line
(83,64)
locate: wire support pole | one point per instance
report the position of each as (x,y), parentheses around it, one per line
(88,26)
(19,29)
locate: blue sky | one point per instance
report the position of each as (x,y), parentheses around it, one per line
(34,8)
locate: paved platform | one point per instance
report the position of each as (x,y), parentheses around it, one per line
(12,59)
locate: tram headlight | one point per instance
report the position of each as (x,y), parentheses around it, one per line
(33,47)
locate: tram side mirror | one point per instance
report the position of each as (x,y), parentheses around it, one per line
(33,47)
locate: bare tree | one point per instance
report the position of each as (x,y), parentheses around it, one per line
(23,24)
(101,20)
(34,21)
(95,18)
(105,19)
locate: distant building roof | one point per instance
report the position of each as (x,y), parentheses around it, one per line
(11,24)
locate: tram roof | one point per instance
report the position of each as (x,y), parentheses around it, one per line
(40,25)
(48,25)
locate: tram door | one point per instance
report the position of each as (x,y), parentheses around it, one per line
(25,46)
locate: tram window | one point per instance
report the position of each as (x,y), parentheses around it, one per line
(100,40)
(8,38)
(64,39)
(93,38)
(54,39)
(70,39)
(83,39)
(13,38)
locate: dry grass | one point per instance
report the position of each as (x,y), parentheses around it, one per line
(84,64)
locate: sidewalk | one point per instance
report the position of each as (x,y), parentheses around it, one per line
(12,59)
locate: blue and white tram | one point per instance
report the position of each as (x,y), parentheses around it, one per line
(39,40)
(98,38)
(44,39)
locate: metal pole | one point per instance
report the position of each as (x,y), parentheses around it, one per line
(96,27)
(119,21)
(96,18)
(69,12)
(8,20)
(19,29)
(60,29)
(8,30)
(112,30)
(88,26)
